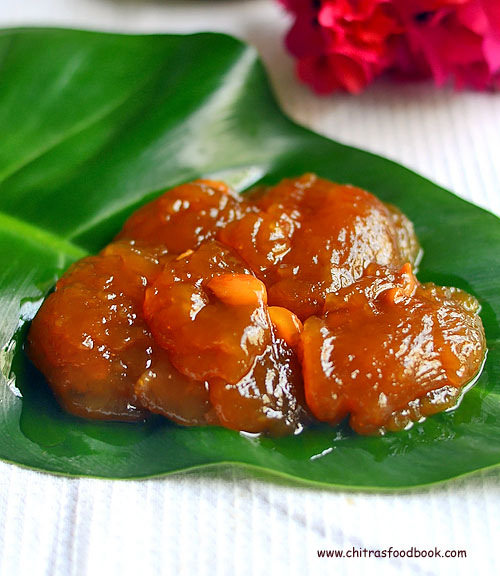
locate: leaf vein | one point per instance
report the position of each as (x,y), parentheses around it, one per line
(78,128)
(40,236)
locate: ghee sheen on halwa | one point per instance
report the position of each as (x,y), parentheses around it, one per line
(264,313)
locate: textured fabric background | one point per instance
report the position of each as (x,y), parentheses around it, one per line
(228,522)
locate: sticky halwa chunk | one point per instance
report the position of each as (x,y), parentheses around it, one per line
(252,312)
(209,312)
(90,338)
(185,216)
(389,350)
(312,237)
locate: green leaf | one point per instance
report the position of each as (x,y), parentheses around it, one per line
(92,126)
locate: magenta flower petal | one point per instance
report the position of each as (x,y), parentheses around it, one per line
(346,44)
(455,40)
(341,44)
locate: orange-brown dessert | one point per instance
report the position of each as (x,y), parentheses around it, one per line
(162,389)
(90,339)
(184,217)
(210,313)
(196,312)
(389,351)
(312,237)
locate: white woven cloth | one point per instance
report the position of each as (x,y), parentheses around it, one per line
(227,522)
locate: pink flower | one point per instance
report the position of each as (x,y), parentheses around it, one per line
(346,44)
(341,44)
(456,40)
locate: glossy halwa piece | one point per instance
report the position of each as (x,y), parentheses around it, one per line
(184,217)
(312,237)
(209,313)
(91,342)
(194,312)
(90,339)
(162,389)
(389,351)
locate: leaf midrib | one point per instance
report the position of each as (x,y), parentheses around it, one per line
(78,128)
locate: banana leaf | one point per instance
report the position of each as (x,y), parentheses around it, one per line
(93,125)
